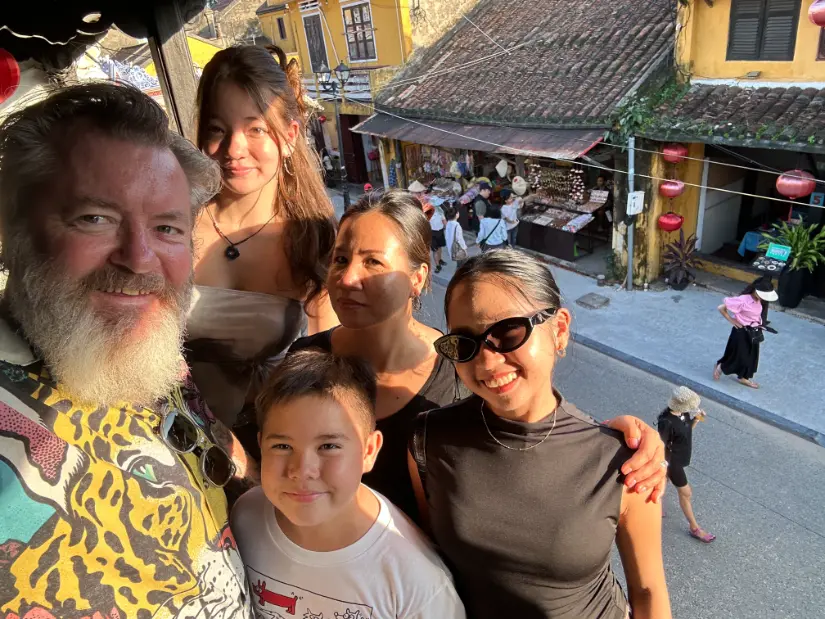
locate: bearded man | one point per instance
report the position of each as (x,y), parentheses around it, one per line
(111,473)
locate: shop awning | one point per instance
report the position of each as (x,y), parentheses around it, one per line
(550,143)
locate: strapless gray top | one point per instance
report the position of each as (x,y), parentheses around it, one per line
(234,338)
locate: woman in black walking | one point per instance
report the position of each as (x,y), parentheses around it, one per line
(746,313)
(676,424)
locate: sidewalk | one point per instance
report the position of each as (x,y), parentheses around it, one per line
(679,336)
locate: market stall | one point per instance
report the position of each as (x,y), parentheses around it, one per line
(556,218)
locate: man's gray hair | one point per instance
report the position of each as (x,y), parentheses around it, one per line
(32,141)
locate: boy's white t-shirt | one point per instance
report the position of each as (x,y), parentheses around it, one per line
(391,572)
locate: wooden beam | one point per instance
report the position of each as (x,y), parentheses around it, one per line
(170,53)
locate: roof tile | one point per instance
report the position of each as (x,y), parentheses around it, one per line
(576,62)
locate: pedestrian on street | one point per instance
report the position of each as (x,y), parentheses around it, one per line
(492,233)
(380,269)
(676,424)
(745,312)
(456,245)
(521,487)
(263,245)
(438,222)
(482,202)
(509,212)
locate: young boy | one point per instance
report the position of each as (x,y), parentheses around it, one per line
(316,542)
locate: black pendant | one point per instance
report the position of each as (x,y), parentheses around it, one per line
(231,252)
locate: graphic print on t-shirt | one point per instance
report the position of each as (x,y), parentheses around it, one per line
(276,599)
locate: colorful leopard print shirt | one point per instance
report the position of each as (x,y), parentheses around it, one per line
(99,519)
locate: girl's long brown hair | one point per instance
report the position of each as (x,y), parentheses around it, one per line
(276,88)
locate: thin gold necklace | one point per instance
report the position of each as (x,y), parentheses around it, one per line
(553,427)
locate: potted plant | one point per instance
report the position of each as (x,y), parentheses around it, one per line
(679,259)
(807,251)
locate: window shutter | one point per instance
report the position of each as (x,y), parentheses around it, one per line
(779,36)
(745,26)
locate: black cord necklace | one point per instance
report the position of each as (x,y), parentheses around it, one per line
(232,252)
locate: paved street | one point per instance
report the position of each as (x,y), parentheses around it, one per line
(760,489)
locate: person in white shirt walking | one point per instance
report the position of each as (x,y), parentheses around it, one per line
(316,542)
(454,235)
(492,232)
(509,212)
(437,224)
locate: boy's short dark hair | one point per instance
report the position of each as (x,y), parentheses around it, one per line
(450,212)
(315,372)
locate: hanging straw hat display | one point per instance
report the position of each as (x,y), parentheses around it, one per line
(519,186)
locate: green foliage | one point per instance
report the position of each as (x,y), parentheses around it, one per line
(615,271)
(680,257)
(639,112)
(807,245)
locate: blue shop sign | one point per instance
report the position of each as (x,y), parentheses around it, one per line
(778,252)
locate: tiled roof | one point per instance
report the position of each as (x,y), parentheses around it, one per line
(138,55)
(575,61)
(768,116)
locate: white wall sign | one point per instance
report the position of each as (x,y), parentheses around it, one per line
(636,203)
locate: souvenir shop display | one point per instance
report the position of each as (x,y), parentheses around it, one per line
(429,163)
(763,263)
(558,210)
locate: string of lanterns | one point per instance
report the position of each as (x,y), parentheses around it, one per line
(673,154)
(9,75)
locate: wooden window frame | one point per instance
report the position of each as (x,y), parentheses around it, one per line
(820,50)
(356,29)
(760,37)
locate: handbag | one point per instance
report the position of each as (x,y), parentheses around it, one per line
(456,250)
(756,334)
(483,244)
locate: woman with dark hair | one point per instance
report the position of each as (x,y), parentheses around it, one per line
(380,268)
(523,492)
(747,313)
(263,244)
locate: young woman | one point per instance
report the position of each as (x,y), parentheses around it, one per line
(438,221)
(380,269)
(745,313)
(523,491)
(676,429)
(263,245)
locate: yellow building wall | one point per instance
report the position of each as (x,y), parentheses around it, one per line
(686,205)
(392,32)
(269,25)
(201,53)
(703,47)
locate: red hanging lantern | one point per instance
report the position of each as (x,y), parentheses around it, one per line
(674,153)
(817,13)
(9,75)
(671,188)
(670,222)
(796,184)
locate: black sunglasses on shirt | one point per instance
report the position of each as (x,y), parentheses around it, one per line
(504,336)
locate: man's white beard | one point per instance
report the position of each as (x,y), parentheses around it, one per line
(99,360)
